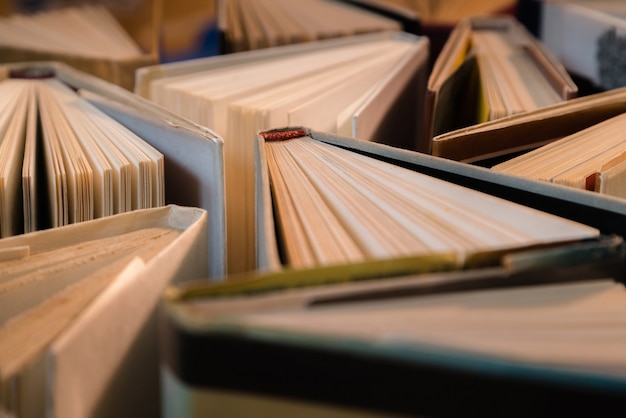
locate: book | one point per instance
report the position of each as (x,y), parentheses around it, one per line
(317,351)
(368,86)
(110,43)
(586,36)
(79,319)
(192,155)
(248,25)
(496,141)
(85,165)
(452,11)
(489,68)
(437,18)
(319,204)
(591,159)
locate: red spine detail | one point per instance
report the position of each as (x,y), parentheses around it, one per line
(283,135)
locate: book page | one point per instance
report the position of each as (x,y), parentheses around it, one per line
(513,81)
(14,108)
(89,31)
(72,273)
(86,165)
(573,159)
(32,206)
(254,24)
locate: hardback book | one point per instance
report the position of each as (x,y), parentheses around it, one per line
(586,36)
(247,25)
(368,86)
(592,159)
(322,202)
(109,42)
(331,351)
(78,322)
(191,157)
(491,67)
(497,140)
(437,18)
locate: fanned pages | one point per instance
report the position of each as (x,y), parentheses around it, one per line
(109,42)
(15,125)
(591,159)
(93,281)
(366,86)
(249,24)
(99,34)
(334,206)
(63,161)
(491,67)
(491,142)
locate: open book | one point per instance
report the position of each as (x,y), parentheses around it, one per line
(592,159)
(503,138)
(319,204)
(541,350)
(247,25)
(368,86)
(491,67)
(192,159)
(64,161)
(578,143)
(91,38)
(78,331)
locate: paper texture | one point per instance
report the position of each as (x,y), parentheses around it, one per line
(105,360)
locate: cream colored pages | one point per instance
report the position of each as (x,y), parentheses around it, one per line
(89,31)
(578,326)
(45,293)
(269,90)
(489,68)
(578,160)
(513,81)
(85,165)
(336,206)
(254,24)
(14,108)
(30,184)
(64,147)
